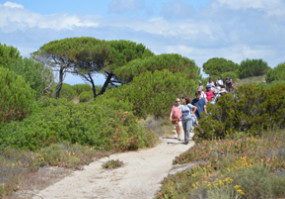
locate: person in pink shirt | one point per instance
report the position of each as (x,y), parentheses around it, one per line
(209,93)
(177,113)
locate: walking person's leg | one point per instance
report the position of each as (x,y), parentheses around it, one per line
(184,125)
(187,130)
(178,130)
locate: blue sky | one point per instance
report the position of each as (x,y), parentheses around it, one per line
(197,29)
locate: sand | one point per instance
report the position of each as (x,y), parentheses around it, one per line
(139,177)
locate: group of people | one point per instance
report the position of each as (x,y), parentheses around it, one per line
(186,114)
(214,91)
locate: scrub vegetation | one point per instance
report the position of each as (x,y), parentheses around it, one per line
(44,122)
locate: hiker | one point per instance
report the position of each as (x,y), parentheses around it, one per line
(203,94)
(217,95)
(213,100)
(228,83)
(211,83)
(176,118)
(188,114)
(220,82)
(200,86)
(200,103)
(208,93)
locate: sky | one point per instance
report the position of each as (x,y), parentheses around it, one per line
(197,29)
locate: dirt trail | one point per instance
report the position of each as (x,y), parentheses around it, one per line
(139,177)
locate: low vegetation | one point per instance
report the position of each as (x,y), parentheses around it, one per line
(16,164)
(247,167)
(112,164)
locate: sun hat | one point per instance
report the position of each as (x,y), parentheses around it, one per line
(177,100)
(208,86)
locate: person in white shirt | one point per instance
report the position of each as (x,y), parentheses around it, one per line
(220,82)
(211,83)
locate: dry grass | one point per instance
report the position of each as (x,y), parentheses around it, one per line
(24,171)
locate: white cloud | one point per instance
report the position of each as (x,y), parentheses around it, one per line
(243,4)
(271,7)
(13,19)
(12,5)
(222,29)
(177,9)
(123,6)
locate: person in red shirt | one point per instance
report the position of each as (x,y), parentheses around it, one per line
(209,93)
(177,113)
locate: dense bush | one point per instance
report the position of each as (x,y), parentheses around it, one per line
(217,66)
(15,96)
(68,91)
(35,74)
(85,96)
(276,74)
(108,125)
(8,55)
(253,109)
(253,67)
(172,62)
(154,93)
(79,88)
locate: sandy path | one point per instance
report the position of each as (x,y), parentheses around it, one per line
(139,177)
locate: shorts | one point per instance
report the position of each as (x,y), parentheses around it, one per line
(179,123)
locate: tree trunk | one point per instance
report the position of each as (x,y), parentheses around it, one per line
(93,85)
(59,85)
(108,80)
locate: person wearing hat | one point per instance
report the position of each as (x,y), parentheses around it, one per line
(209,93)
(200,103)
(176,117)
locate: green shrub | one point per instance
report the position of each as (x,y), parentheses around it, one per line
(36,74)
(153,93)
(86,96)
(258,182)
(9,55)
(172,62)
(93,124)
(79,88)
(252,110)
(218,66)
(253,67)
(15,96)
(276,74)
(67,91)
